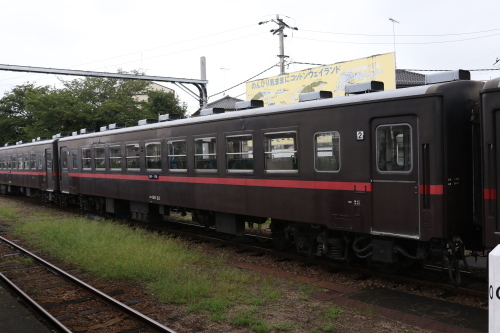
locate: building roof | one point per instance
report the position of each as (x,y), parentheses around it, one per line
(226,102)
(408,79)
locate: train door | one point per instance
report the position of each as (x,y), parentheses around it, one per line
(64,170)
(395,177)
(48,165)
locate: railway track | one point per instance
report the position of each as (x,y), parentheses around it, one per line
(55,294)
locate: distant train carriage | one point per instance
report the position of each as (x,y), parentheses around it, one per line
(30,168)
(490,120)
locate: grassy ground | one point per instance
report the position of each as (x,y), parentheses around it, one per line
(180,273)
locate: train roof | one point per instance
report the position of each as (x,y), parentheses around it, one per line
(405,92)
(29,144)
(343,100)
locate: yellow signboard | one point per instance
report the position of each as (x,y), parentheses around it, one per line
(284,89)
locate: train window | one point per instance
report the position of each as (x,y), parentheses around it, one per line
(26,160)
(86,161)
(32,160)
(48,158)
(115,158)
(280,151)
(133,152)
(74,159)
(19,161)
(99,162)
(327,151)
(64,158)
(239,153)
(205,154)
(153,156)
(177,155)
(2,162)
(394,148)
(9,162)
(40,159)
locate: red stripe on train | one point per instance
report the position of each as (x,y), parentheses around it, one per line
(432,189)
(320,185)
(489,194)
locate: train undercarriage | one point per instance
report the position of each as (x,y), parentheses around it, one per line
(388,254)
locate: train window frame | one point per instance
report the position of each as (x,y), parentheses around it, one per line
(86,158)
(99,158)
(64,158)
(278,133)
(316,150)
(32,162)
(153,158)
(249,152)
(26,160)
(20,161)
(173,156)
(115,162)
(74,159)
(200,156)
(133,157)
(39,157)
(399,169)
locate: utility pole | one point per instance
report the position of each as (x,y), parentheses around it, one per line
(394,39)
(281,34)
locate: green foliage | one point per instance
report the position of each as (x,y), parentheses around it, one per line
(161,102)
(29,111)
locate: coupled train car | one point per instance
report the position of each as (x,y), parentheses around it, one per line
(390,177)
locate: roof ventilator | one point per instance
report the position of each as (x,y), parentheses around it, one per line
(315,95)
(116,126)
(364,87)
(208,112)
(250,104)
(447,76)
(146,122)
(41,138)
(8,144)
(59,135)
(169,117)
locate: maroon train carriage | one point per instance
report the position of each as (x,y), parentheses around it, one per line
(384,176)
(490,120)
(392,177)
(30,168)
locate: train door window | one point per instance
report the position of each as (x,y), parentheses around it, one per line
(394,150)
(153,156)
(239,153)
(40,159)
(115,158)
(32,160)
(86,160)
(48,157)
(133,156)
(64,158)
(9,162)
(280,151)
(327,151)
(205,154)
(177,155)
(99,162)
(74,159)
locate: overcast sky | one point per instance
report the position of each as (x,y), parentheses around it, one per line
(167,38)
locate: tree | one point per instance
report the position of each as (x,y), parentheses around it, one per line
(29,111)
(161,102)
(15,116)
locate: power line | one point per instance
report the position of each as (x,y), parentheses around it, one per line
(400,43)
(372,35)
(239,84)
